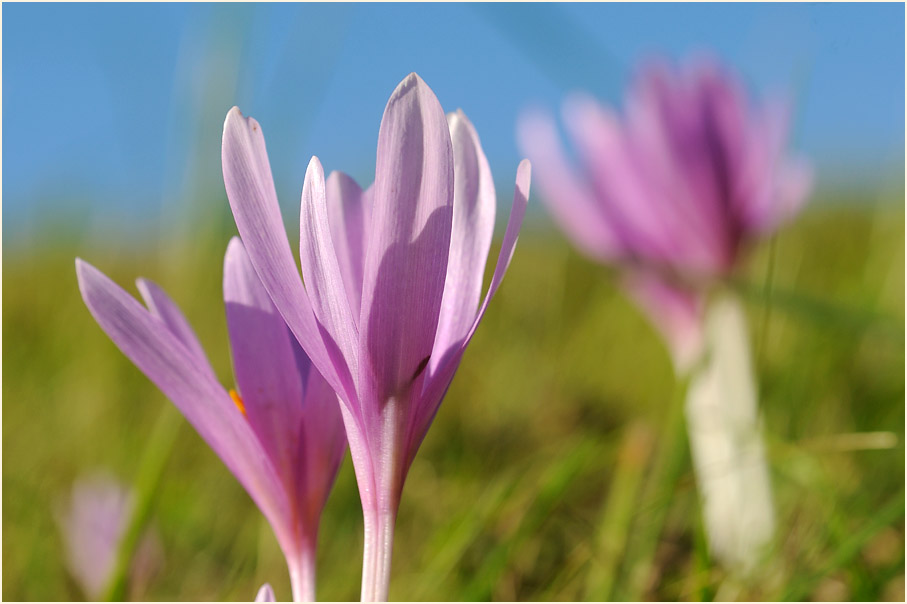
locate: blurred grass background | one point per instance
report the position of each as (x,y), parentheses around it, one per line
(536,480)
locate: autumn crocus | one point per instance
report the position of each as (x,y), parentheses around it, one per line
(672,193)
(281,434)
(93,524)
(393,279)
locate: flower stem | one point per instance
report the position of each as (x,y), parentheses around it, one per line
(376,555)
(726,442)
(151,467)
(302,574)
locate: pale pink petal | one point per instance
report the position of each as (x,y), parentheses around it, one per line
(159,354)
(348,214)
(321,270)
(470,240)
(161,306)
(250,189)
(567,196)
(408,245)
(264,363)
(265,594)
(437,383)
(322,444)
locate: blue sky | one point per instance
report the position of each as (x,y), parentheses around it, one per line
(115,110)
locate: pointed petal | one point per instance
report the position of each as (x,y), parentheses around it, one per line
(161,306)
(250,189)
(348,214)
(265,594)
(511,236)
(567,196)
(269,383)
(408,243)
(437,383)
(775,186)
(470,239)
(321,271)
(167,362)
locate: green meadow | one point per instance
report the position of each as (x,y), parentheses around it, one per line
(557,467)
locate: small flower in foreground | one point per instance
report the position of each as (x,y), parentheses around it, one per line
(673,190)
(281,435)
(393,279)
(265,594)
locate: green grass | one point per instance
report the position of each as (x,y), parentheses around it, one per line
(534,481)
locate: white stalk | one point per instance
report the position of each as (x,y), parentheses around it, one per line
(726,443)
(302,574)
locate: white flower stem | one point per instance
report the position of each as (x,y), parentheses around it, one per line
(725,441)
(376,555)
(302,573)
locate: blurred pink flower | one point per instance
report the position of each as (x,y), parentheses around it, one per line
(393,279)
(673,190)
(93,524)
(265,594)
(281,435)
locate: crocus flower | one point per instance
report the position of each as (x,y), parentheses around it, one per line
(281,435)
(672,193)
(92,525)
(393,279)
(265,594)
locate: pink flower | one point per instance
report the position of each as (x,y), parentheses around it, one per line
(393,279)
(281,435)
(673,190)
(93,524)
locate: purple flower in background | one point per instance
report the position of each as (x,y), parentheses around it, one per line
(281,435)
(673,190)
(93,524)
(393,279)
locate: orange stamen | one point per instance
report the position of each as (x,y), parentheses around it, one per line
(237,400)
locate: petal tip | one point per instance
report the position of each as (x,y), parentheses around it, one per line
(524,177)
(315,164)
(234,246)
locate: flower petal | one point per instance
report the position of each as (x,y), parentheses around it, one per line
(161,306)
(679,132)
(567,196)
(321,270)
(437,383)
(323,445)
(349,212)
(640,219)
(160,355)
(269,382)
(511,236)
(250,189)
(471,231)
(409,241)
(265,594)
